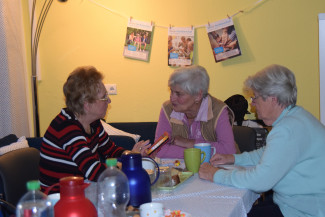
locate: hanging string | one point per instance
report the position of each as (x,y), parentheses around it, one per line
(114,12)
(246,9)
(166,27)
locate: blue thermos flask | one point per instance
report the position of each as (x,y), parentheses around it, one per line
(139,180)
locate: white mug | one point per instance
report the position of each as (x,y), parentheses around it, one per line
(151,210)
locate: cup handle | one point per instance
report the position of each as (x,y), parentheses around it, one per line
(50,188)
(202,152)
(214,150)
(157,169)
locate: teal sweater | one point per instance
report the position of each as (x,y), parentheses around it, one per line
(292,164)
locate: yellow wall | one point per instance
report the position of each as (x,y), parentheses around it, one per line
(80,32)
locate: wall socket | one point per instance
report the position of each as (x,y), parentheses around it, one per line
(111,89)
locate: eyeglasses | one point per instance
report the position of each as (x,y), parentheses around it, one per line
(105,98)
(253,99)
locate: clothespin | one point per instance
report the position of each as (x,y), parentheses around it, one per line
(241,11)
(228,16)
(170,26)
(151,22)
(130,19)
(192,27)
(208,23)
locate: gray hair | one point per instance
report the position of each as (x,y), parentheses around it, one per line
(82,85)
(274,80)
(191,79)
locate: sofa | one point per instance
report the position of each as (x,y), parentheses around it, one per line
(246,138)
(145,129)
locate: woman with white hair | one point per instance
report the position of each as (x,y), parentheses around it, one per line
(292,162)
(193,116)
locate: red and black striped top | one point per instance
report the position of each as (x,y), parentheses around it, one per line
(67,150)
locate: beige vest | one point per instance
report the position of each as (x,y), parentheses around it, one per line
(215,106)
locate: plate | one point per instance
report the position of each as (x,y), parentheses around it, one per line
(183,176)
(171,162)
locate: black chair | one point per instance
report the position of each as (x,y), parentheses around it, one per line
(16,169)
(245,137)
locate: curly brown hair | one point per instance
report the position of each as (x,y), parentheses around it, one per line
(82,85)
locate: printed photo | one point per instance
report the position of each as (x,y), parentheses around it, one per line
(180,46)
(223,39)
(137,42)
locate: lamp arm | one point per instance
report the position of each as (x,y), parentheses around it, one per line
(34,47)
(40,22)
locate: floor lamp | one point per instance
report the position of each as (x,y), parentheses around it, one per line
(35,36)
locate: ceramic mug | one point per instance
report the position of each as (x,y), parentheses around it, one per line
(192,158)
(206,147)
(152,210)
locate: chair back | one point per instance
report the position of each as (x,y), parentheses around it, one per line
(245,137)
(16,168)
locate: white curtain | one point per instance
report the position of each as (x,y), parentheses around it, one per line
(14,108)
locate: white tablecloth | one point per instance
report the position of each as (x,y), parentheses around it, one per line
(202,198)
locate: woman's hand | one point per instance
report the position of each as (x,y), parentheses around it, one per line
(182,142)
(141,147)
(218,159)
(207,171)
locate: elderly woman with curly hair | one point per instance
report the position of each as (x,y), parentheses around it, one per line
(292,162)
(76,139)
(193,116)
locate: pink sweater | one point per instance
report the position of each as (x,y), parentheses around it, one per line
(224,145)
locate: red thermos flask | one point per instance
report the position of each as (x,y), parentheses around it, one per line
(73,202)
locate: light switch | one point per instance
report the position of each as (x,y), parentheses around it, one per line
(111,89)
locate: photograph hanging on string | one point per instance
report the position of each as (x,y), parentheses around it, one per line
(137,42)
(180,46)
(223,39)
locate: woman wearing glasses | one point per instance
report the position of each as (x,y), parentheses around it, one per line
(292,162)
(76,139)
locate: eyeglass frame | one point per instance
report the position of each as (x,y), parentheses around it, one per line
(253,99)
(105,98)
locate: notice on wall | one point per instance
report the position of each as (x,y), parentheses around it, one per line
(180,46)
(138,37)
(223,39)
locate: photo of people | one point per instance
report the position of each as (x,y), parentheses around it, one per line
(223,39)
(137,42)
(180,46)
